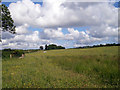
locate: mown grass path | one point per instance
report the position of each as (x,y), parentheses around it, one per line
(59,69)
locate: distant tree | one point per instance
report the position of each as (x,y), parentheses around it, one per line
(41,47)
(60,47)
(46,47)
(7,21)
(53,46)
(7,49)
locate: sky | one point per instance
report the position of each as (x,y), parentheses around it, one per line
(69,24)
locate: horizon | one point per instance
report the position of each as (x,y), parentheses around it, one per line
(113,44)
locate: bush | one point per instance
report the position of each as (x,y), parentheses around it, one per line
(53,46)
(17,53)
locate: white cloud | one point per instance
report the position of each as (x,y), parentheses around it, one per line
(36,38)
(81,37)
(22,29)
(24,41)
(101,18)
(63,14)
(103,31)
(73,33)
(53,33)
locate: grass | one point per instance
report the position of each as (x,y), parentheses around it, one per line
(70,68)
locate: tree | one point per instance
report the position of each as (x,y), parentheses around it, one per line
(41,47)
(46,47)
(7,21)
(53,46)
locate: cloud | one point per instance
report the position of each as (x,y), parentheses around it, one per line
(63,14)
(37,38)
(52,34)
(7,35)
(22,29)
(103,31)
(73,33)
(54,16)
(81,37)
(24,41)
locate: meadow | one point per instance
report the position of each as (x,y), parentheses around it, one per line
(68,68)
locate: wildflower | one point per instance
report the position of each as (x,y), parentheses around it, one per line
(24,83)
(12,73)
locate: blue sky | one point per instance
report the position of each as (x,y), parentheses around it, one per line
(7,3)
(75,31)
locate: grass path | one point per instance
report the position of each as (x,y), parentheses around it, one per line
(37,70)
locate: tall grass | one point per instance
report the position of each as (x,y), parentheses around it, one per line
(101,65)
(70,68)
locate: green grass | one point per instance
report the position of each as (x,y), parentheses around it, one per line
(70,68)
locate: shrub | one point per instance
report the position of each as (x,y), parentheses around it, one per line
(17,53)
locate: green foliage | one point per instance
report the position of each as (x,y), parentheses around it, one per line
(7,22)
(41,47)
(6,54)
(16,53)
(101,45)
(53,46)
(46,47)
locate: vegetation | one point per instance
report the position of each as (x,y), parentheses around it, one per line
(6,53)
(53,46)
(17,53)
(7,21)
(70,68)
(41,47)
(101,45)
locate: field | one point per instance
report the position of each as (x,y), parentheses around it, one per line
(69,68)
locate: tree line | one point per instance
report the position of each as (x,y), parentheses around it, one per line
(51,47)
(100,45)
